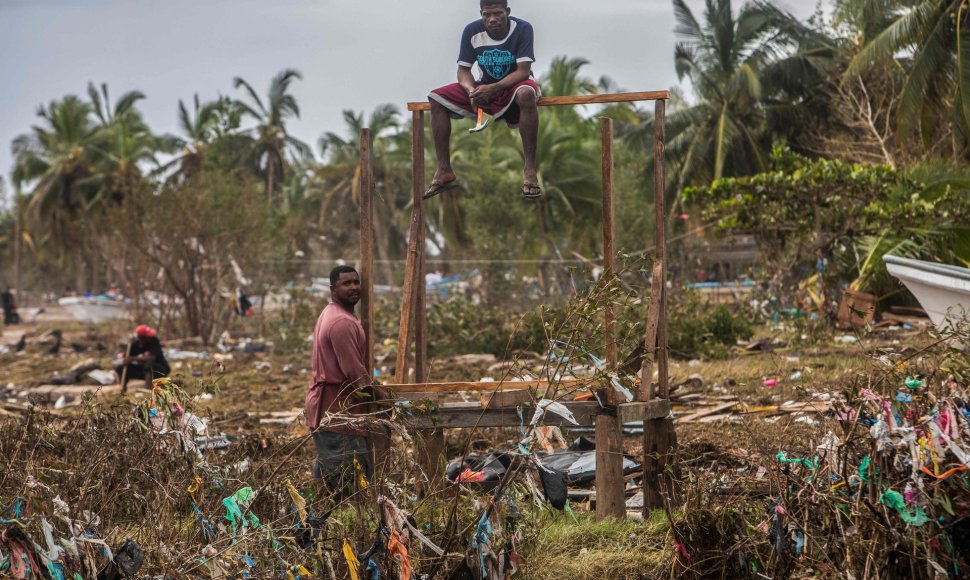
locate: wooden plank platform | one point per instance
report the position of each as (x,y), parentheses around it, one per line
(578,99)
(465,415)
(487,386)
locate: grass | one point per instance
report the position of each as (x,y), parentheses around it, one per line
(562,548)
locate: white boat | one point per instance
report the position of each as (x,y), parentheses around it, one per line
(95,309)
(942,290)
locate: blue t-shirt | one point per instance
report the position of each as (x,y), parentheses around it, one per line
(496,58)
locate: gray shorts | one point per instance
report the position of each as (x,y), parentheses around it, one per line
(335,458)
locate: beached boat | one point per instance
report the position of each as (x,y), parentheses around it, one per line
(95,309)
(942,290)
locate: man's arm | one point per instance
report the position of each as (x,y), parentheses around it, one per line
(466,79)
(483,93)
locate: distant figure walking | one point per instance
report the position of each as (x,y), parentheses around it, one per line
(145,359)
(10,315)
(502,46)
(341,383)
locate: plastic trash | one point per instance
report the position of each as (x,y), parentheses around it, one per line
(770,383)
(554,407)
(895,501)
(795,376)
(913,382)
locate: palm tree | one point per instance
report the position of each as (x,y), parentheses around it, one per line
(199,129)
(55,161)
(725,57)
(931,38)
(124,142)
(272,142)
(337,181)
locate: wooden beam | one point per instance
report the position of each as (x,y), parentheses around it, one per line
(609,253)
(659,435)
(645,390)
(367,246)
(401,374)
(572,100)
(488,386)
(420,316)
(610,501)
(468,415)
(507,399)
(660,143)
(642,411)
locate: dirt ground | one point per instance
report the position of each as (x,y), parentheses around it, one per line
(257,396)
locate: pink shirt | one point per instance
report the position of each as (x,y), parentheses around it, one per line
(339,371)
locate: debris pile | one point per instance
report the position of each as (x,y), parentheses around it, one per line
(882,490)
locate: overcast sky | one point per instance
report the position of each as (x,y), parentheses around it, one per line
(354,54)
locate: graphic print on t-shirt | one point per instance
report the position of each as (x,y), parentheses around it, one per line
(496,62)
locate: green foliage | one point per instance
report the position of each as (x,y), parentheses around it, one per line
(850,214)
(184,242)
(697,329)
(459,326)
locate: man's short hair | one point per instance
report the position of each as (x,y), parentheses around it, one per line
(502,3)
(336,272)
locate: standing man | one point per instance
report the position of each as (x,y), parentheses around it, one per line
(502,47)
(144,360)
(340,383)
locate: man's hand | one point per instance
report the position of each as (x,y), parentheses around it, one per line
(482,95)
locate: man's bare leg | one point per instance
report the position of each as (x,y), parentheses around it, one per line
(529,130)
(441,132)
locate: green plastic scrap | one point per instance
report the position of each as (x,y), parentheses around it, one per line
(914,383)
(894,500)
(864,469)
(811,464)
(236,504)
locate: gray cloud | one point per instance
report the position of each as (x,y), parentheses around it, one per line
(353,55)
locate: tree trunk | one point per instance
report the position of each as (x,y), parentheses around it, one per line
(270,175)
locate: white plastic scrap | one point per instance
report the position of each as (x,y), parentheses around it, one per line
(53,550)
(615,382)
(880,432)
(102,377)
(553,406)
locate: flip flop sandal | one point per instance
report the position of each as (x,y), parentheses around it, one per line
(437,187)
(531,191)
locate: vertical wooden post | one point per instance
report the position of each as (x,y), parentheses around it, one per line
(420,288)
(609,253)
(431,441)
(610,501)
(412,265)
(660,138)
(367,246)
(609,442)
(659,437)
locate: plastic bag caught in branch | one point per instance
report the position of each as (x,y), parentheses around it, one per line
(554,407)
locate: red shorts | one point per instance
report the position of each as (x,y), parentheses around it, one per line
(502,106)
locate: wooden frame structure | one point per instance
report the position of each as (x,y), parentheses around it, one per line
(651,406)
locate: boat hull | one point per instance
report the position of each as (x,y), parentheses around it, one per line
(942,290)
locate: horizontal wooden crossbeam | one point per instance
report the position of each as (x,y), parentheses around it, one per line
(572,100)
(484,386)
(466,415)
